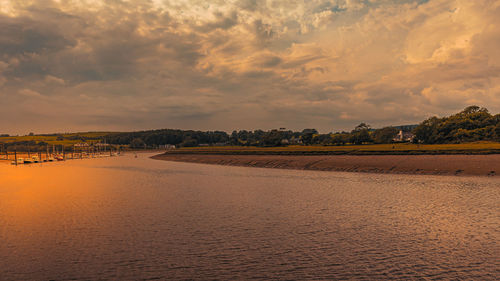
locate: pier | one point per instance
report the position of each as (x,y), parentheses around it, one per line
(54,153)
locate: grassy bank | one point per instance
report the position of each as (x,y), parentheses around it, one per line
(53,139)
(373,149)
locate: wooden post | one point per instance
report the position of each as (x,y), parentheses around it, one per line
(63,152)
(15,156)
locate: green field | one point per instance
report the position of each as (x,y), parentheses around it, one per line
(52,140)
(368,149)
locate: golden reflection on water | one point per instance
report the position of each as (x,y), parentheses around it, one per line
(127,218)
(39,197)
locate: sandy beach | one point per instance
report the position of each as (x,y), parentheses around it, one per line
(463,165)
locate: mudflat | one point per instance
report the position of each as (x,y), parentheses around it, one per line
(465,165)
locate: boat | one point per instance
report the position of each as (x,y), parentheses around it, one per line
(19,161)
(28,161)
(35,159)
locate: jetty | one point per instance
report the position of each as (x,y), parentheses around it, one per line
(54,153)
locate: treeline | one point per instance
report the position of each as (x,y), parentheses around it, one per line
(471,124)
(153,138)
(268,138)
(361,134)
(180,138)
(32,145)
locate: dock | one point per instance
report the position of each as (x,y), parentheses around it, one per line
(34,155)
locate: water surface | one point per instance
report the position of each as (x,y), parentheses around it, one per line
(136,218)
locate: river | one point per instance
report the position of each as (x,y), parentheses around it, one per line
(132,218)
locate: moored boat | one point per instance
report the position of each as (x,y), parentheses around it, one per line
(19,161)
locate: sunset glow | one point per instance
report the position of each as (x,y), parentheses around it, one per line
(246,64)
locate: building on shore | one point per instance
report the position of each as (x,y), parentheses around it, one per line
(403,136)
(166,146)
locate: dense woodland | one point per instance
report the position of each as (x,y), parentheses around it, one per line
(471,124)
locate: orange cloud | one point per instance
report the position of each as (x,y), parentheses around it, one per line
(250,64)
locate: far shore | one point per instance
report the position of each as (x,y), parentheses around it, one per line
(459,165)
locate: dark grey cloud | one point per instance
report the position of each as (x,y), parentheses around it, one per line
(269,61)
(221,21)
(251,5)
(20,36)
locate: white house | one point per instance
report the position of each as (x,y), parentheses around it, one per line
(404,136)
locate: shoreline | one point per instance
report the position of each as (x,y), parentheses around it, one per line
(457,165)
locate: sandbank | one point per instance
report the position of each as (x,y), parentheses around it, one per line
(463,165)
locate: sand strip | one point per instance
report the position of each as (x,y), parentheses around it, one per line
(468,165)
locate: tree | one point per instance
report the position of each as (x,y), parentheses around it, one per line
(137,143)
(307,135)
(189,142)
(323,139)
(425,132)
(474,109)
(361,127)
(234,138)
(361,134)
(272,138)
(384,135)
(340,138)
(471,124)
(497,132)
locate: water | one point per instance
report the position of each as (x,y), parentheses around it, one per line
(135,218)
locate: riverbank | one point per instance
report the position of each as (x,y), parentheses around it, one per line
(477,148)
(465,165)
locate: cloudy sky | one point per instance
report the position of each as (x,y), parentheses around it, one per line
(243,64)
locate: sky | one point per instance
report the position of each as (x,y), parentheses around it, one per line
(116,65)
